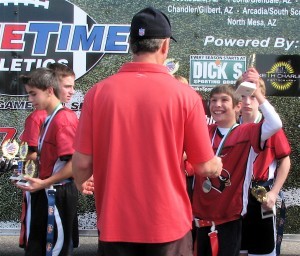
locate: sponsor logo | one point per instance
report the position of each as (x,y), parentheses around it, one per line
(208,71)
(281,74)
(284,75)
(36,33)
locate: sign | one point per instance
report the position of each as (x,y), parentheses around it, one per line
(34,33)
(208,71)
(281,74)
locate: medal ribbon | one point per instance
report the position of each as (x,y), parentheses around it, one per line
(46,126)
(51,219)
(50,192)
(220,147)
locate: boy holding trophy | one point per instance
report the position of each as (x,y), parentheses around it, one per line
(53,196)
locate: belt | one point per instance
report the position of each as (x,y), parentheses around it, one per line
(206,223)
(263,183)
(63,182)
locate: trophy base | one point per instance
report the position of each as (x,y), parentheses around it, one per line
(23,182)
(246,89)
(267,213)
(16,176)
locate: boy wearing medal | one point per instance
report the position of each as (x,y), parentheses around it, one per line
(34,121)
(273,160)
(219,203)
(53,195)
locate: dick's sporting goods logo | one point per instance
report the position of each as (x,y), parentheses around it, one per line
(34,33)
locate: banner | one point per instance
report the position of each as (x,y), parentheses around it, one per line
(215,39)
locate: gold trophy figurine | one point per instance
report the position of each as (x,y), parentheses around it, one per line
(251,61)
(260,193)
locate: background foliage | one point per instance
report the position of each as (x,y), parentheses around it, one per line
(189,30)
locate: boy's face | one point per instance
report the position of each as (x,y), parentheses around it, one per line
(38,98)
(66,85)
(249,105)
(222,110)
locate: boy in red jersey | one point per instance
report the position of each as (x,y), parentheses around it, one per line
(34,121)
(273,161)
(219,203)
(53,195)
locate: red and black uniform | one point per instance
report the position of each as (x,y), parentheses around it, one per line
(224,200)
(55,152)
(258,234)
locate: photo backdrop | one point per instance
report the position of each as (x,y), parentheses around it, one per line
(216,40)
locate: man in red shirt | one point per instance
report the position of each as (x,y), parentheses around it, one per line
(133,130)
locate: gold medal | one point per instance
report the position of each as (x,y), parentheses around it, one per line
(10,149)
(260,193)
(30,169)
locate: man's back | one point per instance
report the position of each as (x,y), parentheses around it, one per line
(139,120)
(133,129)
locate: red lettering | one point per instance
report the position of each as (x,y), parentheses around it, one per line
(9,133)
(13,37)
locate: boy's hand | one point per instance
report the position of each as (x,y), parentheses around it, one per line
(34,185)
(252,76)
(88,186)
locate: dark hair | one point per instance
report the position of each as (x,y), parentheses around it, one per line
(145,45)
(226,89)
(61,70)
(42,78)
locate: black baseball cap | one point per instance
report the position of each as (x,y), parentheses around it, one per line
(150,23)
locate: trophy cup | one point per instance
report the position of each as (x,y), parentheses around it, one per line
(23,150)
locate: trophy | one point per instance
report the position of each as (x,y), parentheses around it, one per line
(260,193)
(29,171)
(23,150)
(247,88)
